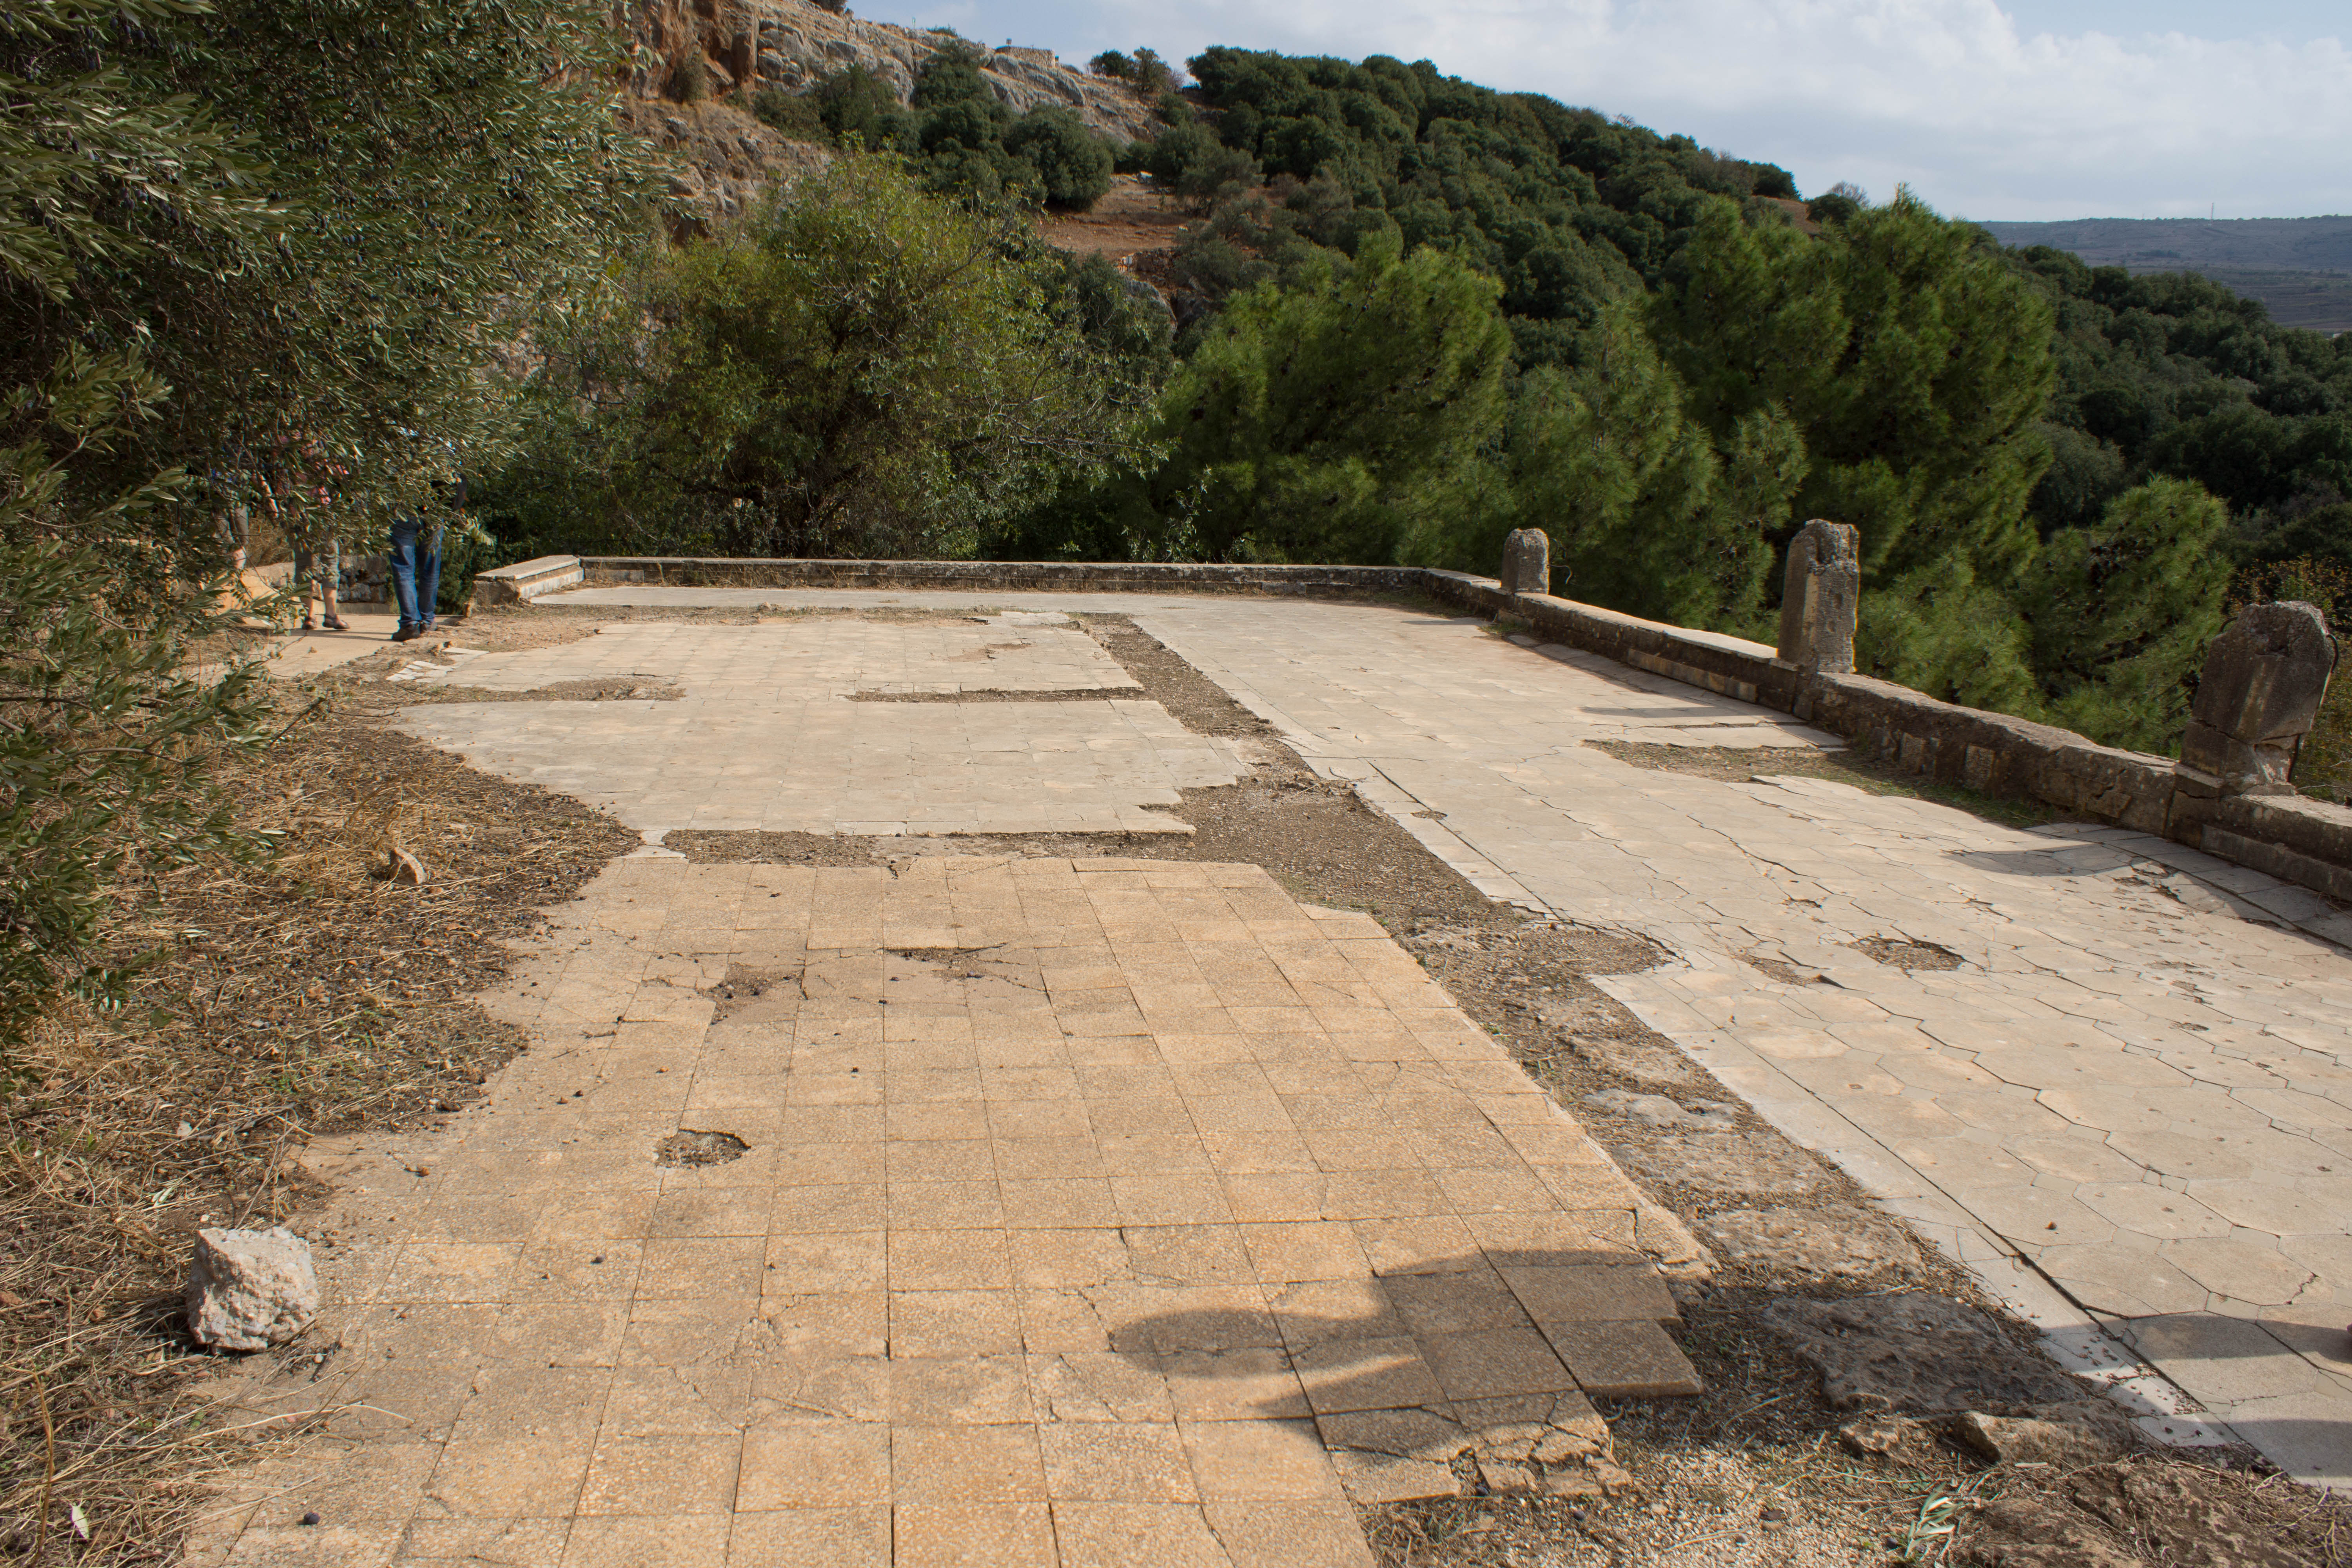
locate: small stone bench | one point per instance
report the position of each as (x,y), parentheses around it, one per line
(527,579)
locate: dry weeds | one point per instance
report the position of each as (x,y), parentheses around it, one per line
(311,994)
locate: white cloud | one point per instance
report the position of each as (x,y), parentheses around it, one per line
(1952,97)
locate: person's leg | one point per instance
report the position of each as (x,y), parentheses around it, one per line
(234,521)
(329,584)
(305,562)
(428,577)
(404,573)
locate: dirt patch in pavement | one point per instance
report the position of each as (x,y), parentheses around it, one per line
(1102,694)
(302,997)
(708,849)
(414,692)
(1899,954)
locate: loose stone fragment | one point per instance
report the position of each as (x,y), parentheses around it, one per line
(1900,1438)
(248,1289)
(1506,1480)
(1913,1351)
(2079,1433)
(1831,1243)
(1659,1112)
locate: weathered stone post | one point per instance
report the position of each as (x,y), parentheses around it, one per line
(1526,562)
(1821,596)
(2263,682)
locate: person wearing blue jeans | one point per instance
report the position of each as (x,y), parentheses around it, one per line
(415,575)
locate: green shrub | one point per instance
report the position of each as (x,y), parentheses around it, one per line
(857,368)
(1073,164)
(855,102)
(792,115)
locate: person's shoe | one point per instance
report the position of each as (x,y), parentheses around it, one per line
(334,624)
(408,634)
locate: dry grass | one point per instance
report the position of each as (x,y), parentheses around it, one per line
(308,995)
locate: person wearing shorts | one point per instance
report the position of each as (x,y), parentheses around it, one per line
(318,565)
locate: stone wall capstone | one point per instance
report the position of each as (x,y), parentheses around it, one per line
(2265,679)
(1821,597)
(1526,562)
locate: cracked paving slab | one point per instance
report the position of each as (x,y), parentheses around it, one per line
(1079,1210)
(2133,1097)
(2138,1083)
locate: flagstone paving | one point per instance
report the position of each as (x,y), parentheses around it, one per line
(1082,1209)
(758,736)
(2133,1098)
(1103,1212)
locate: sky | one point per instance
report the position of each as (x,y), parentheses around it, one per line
(1989,110)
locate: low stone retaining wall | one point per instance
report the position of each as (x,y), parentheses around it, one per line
(2297,839)
(2291,837)
(1008,576)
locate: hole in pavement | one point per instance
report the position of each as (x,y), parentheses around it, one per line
(689,1146)
(1908,954)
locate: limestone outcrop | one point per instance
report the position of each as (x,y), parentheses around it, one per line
(693,57)
(797,44)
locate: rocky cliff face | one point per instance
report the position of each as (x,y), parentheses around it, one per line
(726,157)
(797,43)
(721,158)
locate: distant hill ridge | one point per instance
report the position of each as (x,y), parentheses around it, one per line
(2301,267)
(2179,244)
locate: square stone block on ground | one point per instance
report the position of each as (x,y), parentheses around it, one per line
(996,1280)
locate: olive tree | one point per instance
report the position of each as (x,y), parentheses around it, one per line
(859,367)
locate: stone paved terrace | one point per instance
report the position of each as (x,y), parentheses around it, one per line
(1091,1206)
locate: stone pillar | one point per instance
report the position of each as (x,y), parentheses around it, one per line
(2261,688)
(1821,596)
(1526,562)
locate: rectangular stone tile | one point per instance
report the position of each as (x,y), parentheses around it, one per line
(1344,1374)
(1247,1383)
(972,1260)
(1112,1461)
(955,1322)
(1493,1362)
(666,1475)
(800,1465)
(1097,1385)
(966,1464)
(958,1391)
(1634,1359)
(855,1537)
(1001,1535)
(1291,1533)
(1323,1250)
(1594,1293)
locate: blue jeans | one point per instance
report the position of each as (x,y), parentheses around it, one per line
(416,571)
